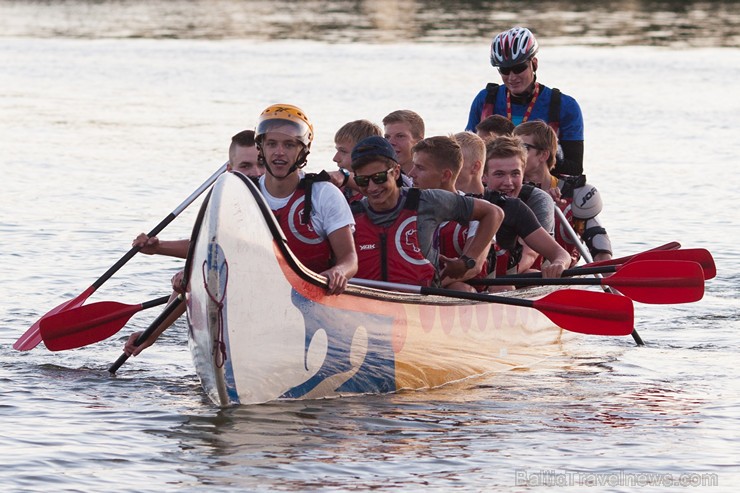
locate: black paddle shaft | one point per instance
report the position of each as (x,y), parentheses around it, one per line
(147,333)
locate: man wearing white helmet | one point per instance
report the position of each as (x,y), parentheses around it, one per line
(313,213)
(521,98)
(579,201)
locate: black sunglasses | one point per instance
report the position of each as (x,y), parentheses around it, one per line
(378,178)
(517,69)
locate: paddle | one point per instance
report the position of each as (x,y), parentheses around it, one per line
(673,245)
(148,332)
(655,282)
(32,337)
(89,324)
(576,310)
(700,256)
(172,307)
(587,256)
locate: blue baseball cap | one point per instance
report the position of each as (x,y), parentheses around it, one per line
(371,147)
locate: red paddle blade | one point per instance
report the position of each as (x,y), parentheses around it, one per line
(589,312)
(659,282)
(85,325)
(700,256)
(32,337)
(674,245)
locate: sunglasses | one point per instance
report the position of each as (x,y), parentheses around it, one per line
(529,147)
(378,178)
(517,69)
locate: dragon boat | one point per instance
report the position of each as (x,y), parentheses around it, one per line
(262,328)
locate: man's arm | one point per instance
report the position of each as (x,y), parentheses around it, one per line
(571,162)
(489,219)
(153,246)
(545,245)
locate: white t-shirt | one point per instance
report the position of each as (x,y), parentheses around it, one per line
(330,210)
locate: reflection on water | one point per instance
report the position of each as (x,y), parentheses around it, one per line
(625,22)
(449,434)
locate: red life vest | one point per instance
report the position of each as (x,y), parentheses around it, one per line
(506,261)
(452,237)
(351,195)
(553,111)
(312,250)
(392,253)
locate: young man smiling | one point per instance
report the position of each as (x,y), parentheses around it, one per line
(522,98)
(394,234)
(323,240)
(505,160)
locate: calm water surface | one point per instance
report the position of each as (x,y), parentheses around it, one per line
(104,131)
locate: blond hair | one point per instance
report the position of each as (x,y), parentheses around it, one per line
(473,147)
(415,122)
(355,131)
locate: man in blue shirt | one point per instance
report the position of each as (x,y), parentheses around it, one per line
(522,98)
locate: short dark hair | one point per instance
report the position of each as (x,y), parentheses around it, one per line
(245,138)
(497,124)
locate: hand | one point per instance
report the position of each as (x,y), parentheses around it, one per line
(337,178)
(553,270)
(177,282)
(555,194)
(454,268)
(336,280)
(147,245)
(131,349)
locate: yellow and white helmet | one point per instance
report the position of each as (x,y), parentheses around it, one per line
(287,119)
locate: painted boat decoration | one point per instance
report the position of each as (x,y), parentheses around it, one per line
(261,327)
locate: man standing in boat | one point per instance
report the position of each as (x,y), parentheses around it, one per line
(522,98)
(395,227)
(312,212)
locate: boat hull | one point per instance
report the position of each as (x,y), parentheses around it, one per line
(262,328)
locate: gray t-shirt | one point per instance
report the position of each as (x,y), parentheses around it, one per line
(543,207)
(435,207)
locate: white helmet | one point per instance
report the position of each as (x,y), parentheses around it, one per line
(586,202)
(512,47)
